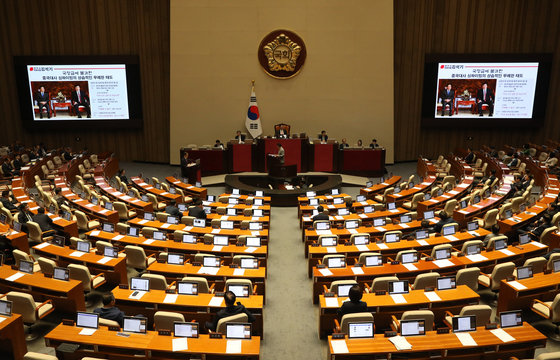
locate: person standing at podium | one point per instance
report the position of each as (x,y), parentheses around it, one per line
(280,153)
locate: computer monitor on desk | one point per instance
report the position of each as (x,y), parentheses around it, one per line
(342,290)
(187,288)
(446,283)
(185,329)
(398,287)
(87,320)
(524,272)
(134,325)
(412,327)
(463,323)
(175,258)
(428,214)
(238,331)
(373,260)
(360,330)
(510,319)
(139,284)
(240,290)
(5,308)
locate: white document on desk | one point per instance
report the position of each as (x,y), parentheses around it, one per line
(215,231)
(538,244)
(400,342)
(233,347)
(216,301)
(165,226)
(118,237)
(331,249)
(323,232)
(138,294)
(180,344)
(443,263)
(363,216)
(77,253)
(362,247)
(379,228)
(476,258)
(87,331)
(451,238)
(398,298)
(325,272)
(238,272)
(473,233)
(357,270)
(331,302)
(466,339)
(42,245)
(502,335)
(217,248)
(209,270)
(507,252)
(94,233)
(148,241)
(142,222)
(404,225)
(104,260)
(339,346)
(170,298)
(432,296)
(517,285)
(422,242)
(251,249)
(382,246)
(15,276)
(410,267)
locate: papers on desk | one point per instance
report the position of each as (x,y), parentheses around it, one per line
(379,228)
(15,276)
(410,267)
(473,233)
(357,270)
(432,296)
(339,346)
(104,211)
(95,233)
(208,270)
(352,231)
(251,249)
(2,318)
(400,343)
(476,258)
(451,238)
(179,344)
(187,228)
(90,205)
(170,298)
(323,232)
(42,245)
(382,246)
(398,298)
(104,260)
(217,248)
(118,237)
(538,244)
(56,218)
(331,302)
(337,217)
(506,252)
(363,216)
(77,253)
(233,347)
(325,272)
(148,241)
(331,249)
(394,211)
(87,331)
(466,339)
(238,272)
(137,294)
(443,263)
(216,301)
(502,335)
(517,285)
(404,225)
(215,231)
(422,242)
(165,226)
(362,247)
(255,233)
(142,222)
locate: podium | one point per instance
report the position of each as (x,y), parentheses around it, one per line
(278,170)
(324,156)
(191,172)
(241,156)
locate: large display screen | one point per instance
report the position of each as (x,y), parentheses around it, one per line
(79,91)
(485,90)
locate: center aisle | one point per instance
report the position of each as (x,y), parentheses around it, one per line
(290,319)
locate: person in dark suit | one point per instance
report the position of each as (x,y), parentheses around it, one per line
(323,137)
(197,211)
(469,159)
(239,137)
(24,216)
(355,305)
(485,96)
(514,161)
(374,144)
(230,310)
(18,163)
(185,160)
(447,96)
(60,200)
(80,98)
(121,175)
(171,209)
(7,202)
(321,215)
(343,144)
(443,220)
(44,221)
(109,311)
(43,100)
(67,154)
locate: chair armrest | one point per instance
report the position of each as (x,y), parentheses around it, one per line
(171,285)
(211,288)
(395,323)
(542,303)
(2,295)
(336,325)
(98,275)
(43,304)
(325,288)
(390,259)
(367,288)
(448,313)
(255,289)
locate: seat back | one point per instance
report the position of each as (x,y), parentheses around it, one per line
(200,256)
(553,257)
(82,220)
(317,222)
(203,287)
(501,272)
(482,313)
(549,356)
(147,231)
(335,284)
(382,283)
(425,280)
(545,236)
(502,212)
(440,247)
(152,198)
(402,252)
(80,273)
(122,209)
(239,282)
(492,240)
(188,220)
(364,255)
(163,320)
(490,218)
(101,245)
(516,203)
(47,265)
(157,281)
(161,216)
(353,237)
(237,259)
(392,232)
(450,206)
(20,255)
(415,200)
(23,304)
(466,244)
(239,318)
(135,256)
(426,315)
(122,228)
(107,322)
(352,318)
(468,277)
(538,264)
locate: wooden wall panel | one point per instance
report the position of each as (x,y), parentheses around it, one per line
(473,26)
(100,27)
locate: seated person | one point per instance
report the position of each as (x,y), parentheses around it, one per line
(67,154)
(514,161)
(538,227)
(343,145)
(469,159)
(321,215)
(281,133)
(109,311)
(197,211)
(495,231)
(18,163)
(7,169)
(239,137)
(7,201)
(355,305)
(230,310)
(44,221)
(60,200)
(218,145)
(121,175)
(171,209)
(323,137)
(443,220)
(24,216)
(374,144)
(349,204)
(360,144)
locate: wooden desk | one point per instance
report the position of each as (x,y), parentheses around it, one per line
(383,306)
(237,219)
(12,337)
(138,205)
(17,239)
(323,157)
(438,202)
(114,269)
(295,151)
(161,194)
(407,194)
(67,296)
(370,192)
(364,162)
(107,168)
(333,209)
(446,346)
(145,346)
(214,205)
(212,161)
(541,286)
(193,307)
(188,189)
(425,167)
(266,199)
(240,156)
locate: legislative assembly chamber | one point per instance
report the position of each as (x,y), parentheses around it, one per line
(254,179)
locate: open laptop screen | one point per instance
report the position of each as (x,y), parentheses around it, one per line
(60,273)
(221,240)
(175,258)
(524,239)
(374,260)
(253,241)
(336,262)
(5,307)
(249,263)
(240,290)
(392,237)
(361,240)
(524,272)
(189,239)
(108,227)
(139,284)
(398,287)
(472,226)
(342,290)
